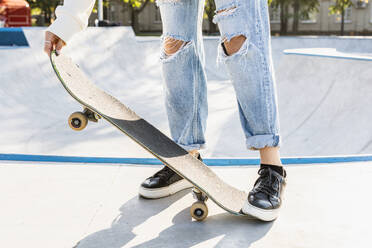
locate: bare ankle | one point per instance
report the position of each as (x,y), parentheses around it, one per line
(194,153)
(270,155)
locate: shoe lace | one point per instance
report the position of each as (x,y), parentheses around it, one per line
(266,181)
(164,173)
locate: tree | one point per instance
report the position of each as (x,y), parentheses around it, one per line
(339,8)
(136,7)
(209,11)
(46,7)
(302,9)
(283,5)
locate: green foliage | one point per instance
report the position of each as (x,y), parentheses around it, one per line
(105,3)
(339,7)
(136,7)
(209,9)
(278,3)
(307,7)
(43,4)
(210,6)
(137,4)
(45,7)
(301,9)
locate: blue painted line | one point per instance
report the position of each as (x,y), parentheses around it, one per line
(11,30)
(351,57)
(154,161)
(73,159)
(12,37)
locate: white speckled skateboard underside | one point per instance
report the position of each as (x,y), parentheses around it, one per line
(146,135)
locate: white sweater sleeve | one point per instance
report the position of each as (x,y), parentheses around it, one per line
(72,18)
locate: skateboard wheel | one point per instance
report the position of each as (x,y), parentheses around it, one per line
(199,210)
(77,121)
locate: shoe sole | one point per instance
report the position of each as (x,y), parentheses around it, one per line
(261,214)
(164,191)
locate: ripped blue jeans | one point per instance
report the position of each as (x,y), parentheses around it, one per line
(250,70)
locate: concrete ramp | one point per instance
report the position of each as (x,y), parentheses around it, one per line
(325,99)
(329,53)
(323,102)
(36,106)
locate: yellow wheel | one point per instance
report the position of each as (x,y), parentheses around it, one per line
(77,121)
(199,210)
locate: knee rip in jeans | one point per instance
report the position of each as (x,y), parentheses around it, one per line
(171,46)
(225,12)
(231,43)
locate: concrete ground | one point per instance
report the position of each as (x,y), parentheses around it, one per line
(324,106)
(63,205)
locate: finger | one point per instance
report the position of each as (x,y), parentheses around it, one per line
(48,47)
(59,46)
(50,40)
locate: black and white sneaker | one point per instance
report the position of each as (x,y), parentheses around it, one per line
(164,183)
(265,199)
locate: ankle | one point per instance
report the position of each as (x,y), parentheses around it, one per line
(272,162)
(194,153)
(270,155)
(277,168)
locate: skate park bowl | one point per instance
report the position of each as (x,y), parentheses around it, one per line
(63,188)
(128,67)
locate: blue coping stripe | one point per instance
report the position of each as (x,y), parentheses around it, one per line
(154,161)
(335,56)
(12,37)
(11,30)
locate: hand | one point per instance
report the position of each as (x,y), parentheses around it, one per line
(52,42)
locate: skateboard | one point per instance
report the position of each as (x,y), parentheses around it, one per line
(97,104)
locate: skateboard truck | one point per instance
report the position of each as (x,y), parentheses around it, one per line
(199,210)
(79,120)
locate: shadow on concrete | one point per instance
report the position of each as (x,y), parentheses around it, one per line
(234,231)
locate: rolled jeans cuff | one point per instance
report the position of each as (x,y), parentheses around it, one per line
(261,141)
(192,147)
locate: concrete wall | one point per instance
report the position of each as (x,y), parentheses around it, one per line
(360,20)
(149,19)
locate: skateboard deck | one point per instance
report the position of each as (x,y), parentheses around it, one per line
(206,182)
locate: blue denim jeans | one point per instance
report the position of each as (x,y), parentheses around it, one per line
(250,70)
